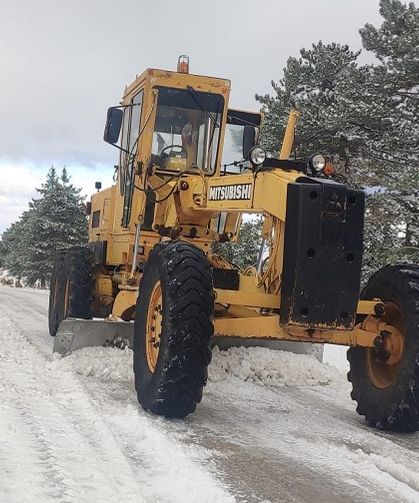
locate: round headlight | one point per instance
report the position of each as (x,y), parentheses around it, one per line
(317,162)
(257,155)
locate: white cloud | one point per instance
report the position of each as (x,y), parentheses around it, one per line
(18,183)
(17,186)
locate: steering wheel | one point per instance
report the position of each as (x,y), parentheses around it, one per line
(171,147)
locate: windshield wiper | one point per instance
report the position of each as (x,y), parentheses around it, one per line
(214,122)
(192,92)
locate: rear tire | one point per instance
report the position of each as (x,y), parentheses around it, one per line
(55,306)
(171,383)
(388,395)
(72,283)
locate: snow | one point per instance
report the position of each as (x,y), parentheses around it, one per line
(267,367)
(101,363)
(56,445)
(272,426)
(259,365)
(336,355)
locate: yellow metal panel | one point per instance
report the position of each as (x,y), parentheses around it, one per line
(248,284)
(124,301)
(271,192)
(268,327)
(369,306)
(252,299)
(289,135)
(227,184)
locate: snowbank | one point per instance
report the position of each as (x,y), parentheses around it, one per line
(98,362)
(259,365)
(270,367)
(6,278)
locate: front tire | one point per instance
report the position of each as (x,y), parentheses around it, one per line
(71,287)
(173,329)
(385,387)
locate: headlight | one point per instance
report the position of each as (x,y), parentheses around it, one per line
(317,162)
(257,155)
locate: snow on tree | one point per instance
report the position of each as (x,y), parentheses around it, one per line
(396,82)
(243,252)
(319,84)
(53,222)
(366,119)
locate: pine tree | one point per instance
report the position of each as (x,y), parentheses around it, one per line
(2,255)
(15,245)
(366,119)
(243,252)
(58,222)
(53,222)
(395,82)
(321,84)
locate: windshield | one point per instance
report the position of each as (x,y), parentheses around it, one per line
(187,129)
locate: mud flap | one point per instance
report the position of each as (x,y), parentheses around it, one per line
(74,333)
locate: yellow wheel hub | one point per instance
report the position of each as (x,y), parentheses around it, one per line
(383,363)
(154,326)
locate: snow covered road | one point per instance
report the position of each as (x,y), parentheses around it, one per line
(272,426)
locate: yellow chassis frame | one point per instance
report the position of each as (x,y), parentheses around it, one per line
(246,322)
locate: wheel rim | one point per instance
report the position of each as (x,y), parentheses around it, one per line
(153,328)
(383,364)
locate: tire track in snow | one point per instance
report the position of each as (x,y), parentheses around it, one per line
(390,467)
(56,483)
(382,450)
(114,452)
(93,462)
(179,473)
(29,314)
(288,444)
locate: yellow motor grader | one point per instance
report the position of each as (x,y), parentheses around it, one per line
(189,168)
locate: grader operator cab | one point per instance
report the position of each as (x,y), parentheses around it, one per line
(189,167)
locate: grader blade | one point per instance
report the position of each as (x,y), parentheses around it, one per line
(75,333)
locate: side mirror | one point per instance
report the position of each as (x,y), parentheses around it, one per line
(249,140)
(113,125)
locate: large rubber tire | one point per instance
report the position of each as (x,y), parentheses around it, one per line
(175,386)
(396,406)
(72,284)
(55,307)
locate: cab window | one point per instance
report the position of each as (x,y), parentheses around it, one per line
(130,138)
(187,129)
(235,142)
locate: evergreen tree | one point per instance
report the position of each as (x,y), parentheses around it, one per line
(243,252)
(322,83)
(2,255)
(366,119)
(53,222)
(395,149)
(15,245)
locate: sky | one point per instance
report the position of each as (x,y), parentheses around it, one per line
(63,63)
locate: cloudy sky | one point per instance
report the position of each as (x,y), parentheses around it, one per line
(63,62)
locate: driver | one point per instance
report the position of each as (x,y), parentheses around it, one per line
(182,152)
(189,134)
